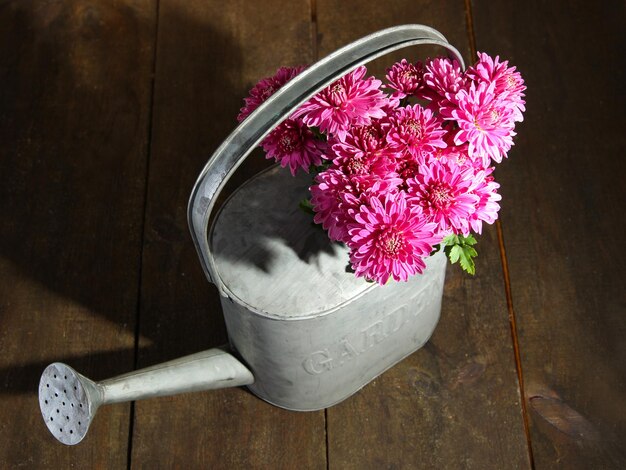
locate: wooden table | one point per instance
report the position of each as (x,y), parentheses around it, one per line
(108,111)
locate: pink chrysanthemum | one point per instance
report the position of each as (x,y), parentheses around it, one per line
(350,101)
(509,84)
(443,79)
(406,168)
(336,196)
(330,204)
(487,207)
(389,238)
(294,145)
(405,78)
(266,88)
(457,155)
(415,130)
(392,102)
(485,122)
(365,151)
(452,154)
(444,192)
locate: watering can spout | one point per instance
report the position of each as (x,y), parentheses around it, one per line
(206,370)
(69,400)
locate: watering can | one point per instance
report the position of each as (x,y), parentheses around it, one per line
(304,332)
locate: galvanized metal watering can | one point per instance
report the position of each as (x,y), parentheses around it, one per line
(304,332)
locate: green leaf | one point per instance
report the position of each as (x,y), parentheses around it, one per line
(469,240)
(451,240)
(460,249)
(467,263)
(455,253)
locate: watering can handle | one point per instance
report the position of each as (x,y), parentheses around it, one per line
(276,109)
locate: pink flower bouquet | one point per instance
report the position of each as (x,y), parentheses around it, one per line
(403,168)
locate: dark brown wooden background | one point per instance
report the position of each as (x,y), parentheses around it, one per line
(108,111)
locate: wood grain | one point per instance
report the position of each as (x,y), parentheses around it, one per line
(209,54)
(83,145)
(455,403)
(564,224)
(74,105)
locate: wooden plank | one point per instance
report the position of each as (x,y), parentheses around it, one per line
(74,105)
(455,403)
(563,235)
(209,54)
